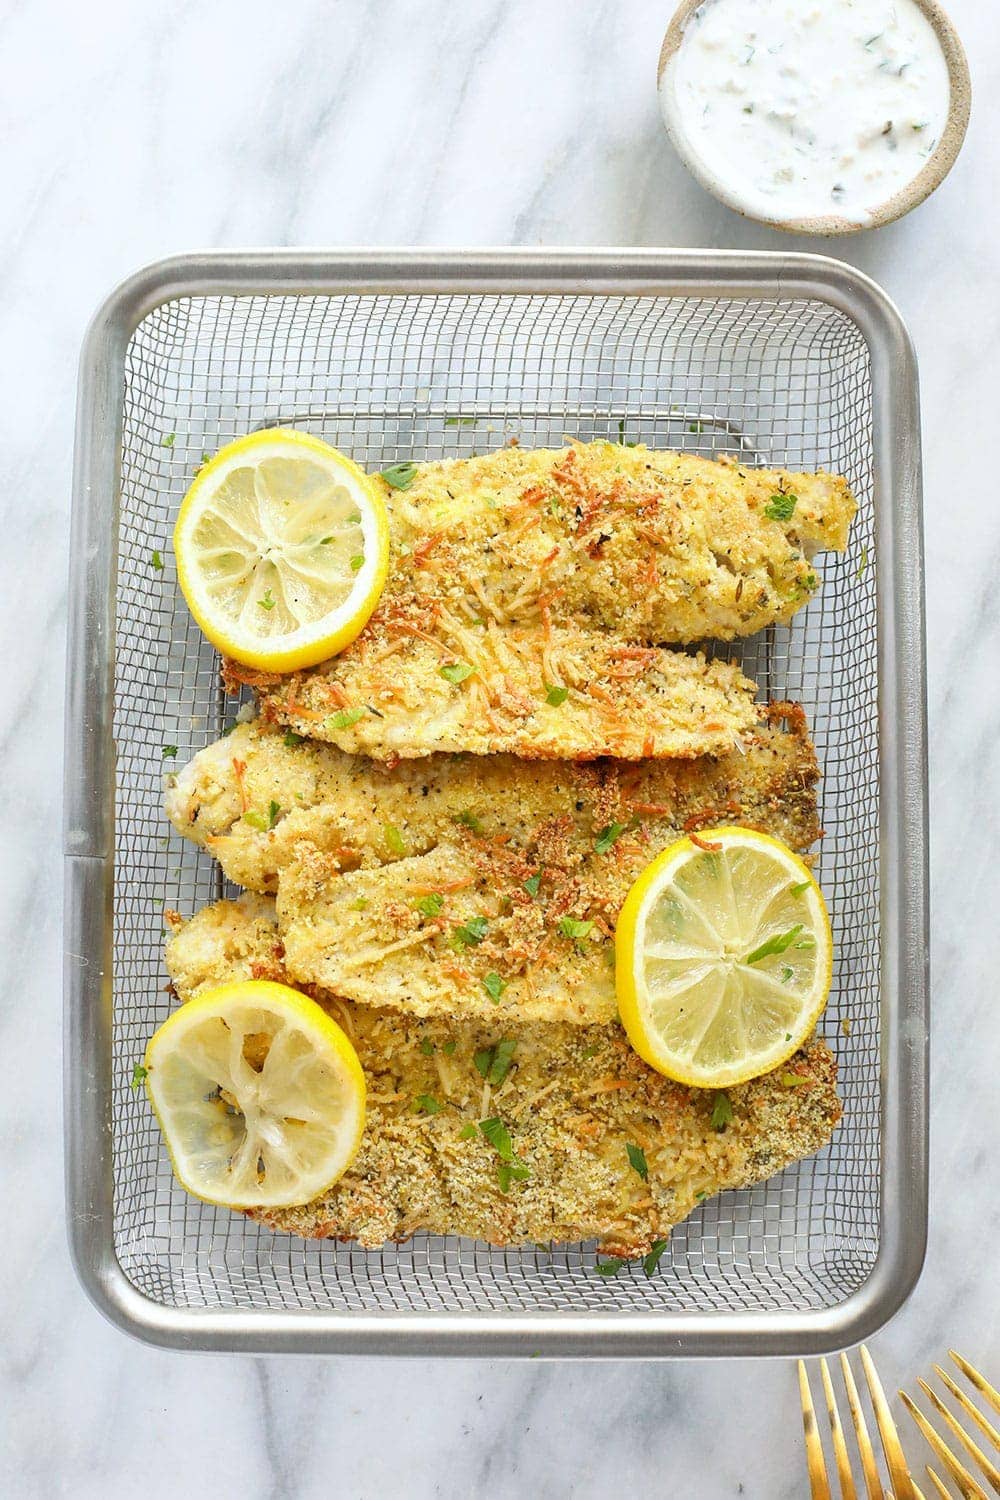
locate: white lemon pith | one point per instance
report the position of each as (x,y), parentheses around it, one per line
(260,1096)
(282,547)
(724,958)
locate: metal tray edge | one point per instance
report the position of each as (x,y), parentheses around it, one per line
(903,781)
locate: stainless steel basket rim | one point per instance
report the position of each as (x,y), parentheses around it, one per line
(89,801)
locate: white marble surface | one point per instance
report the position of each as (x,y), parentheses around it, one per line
(130,131)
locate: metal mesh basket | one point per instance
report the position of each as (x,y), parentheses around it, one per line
(429,373)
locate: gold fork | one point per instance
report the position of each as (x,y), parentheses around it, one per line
(819,1481)
(968,1487)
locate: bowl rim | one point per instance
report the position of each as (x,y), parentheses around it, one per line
(909,196)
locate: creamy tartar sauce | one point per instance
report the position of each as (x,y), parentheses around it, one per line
(802,109)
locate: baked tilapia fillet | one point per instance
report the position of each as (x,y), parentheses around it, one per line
(532,593)
(410,886)
(571,1097)
(416,683)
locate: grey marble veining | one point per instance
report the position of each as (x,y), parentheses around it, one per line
(133,131)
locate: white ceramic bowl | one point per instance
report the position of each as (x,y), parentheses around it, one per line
(936,168)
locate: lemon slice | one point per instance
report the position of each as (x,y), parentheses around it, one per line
(260,1096)
(282,548)
(724,958)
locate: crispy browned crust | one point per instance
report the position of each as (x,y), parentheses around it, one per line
(570,567)
(356,848)
(386,695)
(343,804)
(572,1100)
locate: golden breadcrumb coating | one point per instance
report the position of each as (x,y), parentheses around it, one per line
(407,689)
(348,806)
(528,570)
(571,1100)
(410,886)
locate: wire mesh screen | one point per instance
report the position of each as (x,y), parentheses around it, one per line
(429,376)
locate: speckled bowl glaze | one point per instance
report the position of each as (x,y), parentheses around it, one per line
(915,191)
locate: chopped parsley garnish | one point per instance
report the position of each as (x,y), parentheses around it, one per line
(430,906)
(695,427)
(139,1075)
(456,671)
(494,986)
(345,718)
(467,1132)
(263,821)
(448,1048)
(493,1063)
(291,738)
(796,890)
(400,476)
(863,564)
(168,440)
(590,1051)
(554,694)
(498,1136)
(533,883)
(359,903)
(470,933)
(652,1260)
(393,838)
(268,601)
(608,837)
(722,1110)
(572,927)
(157,561)
(786,975)
(426,1047)
(460,421)
(778,943)
(807,942)
(169,752)
(700,1194)
(780,507)
(513,1171)
(470,820)
(358,562)
(354,519)
(609,1267)
(637,1160)
(426,1104)
(621,430)
(791,1080)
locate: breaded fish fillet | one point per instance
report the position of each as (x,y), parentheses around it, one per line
(572,1099)
(527,571)
(415,683)
(255,795)
(412,886)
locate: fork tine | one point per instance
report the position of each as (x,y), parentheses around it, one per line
(983,1423)
(898,1472)
(847,1490)
(968,1486)
(819,1484)
(869,1465)
(938,1484)
(979,1381)
(973,1449)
